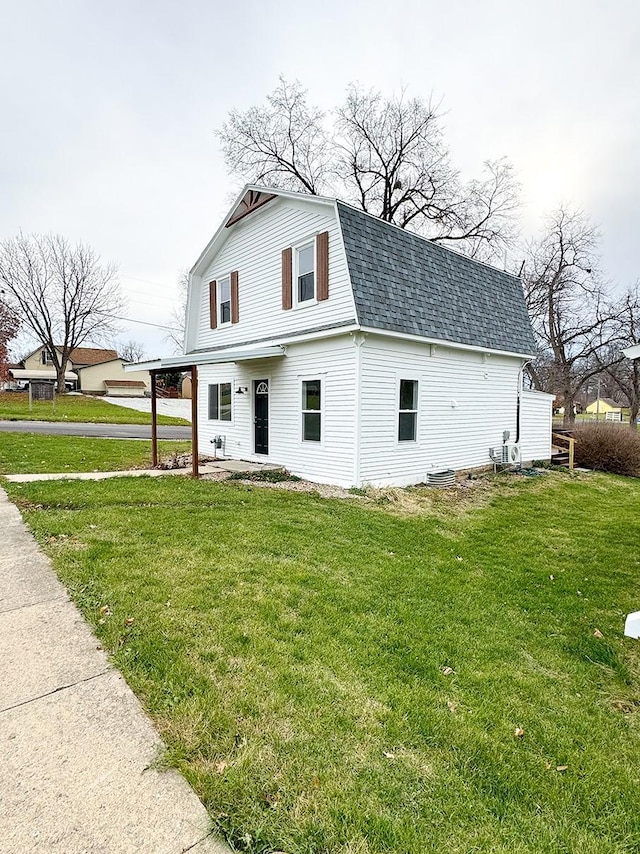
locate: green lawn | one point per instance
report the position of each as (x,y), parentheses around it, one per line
(29,453)
(346,678)
(14,406)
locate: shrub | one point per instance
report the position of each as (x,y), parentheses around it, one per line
(265,475)
(608,447)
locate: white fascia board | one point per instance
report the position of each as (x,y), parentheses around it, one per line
(212,357)
(153,365)
(316,336)
(632,352)
(441,342)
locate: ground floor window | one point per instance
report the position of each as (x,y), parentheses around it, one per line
(220,402)
(408,411)
(311,411)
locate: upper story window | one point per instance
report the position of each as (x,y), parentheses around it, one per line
(408,411)
(306,273)
(224,300)
(45,358)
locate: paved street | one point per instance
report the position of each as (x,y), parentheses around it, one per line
(106,431)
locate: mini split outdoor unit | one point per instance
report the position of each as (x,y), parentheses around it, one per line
(511,454)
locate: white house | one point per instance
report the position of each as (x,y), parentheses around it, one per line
(351,351)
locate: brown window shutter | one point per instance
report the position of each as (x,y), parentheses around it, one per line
(287,292)
(235,310)
(322,266)
(213,305)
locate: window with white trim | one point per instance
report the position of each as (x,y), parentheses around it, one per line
(408,411)
(224,300)
(220,402)
(311,411)
(306,273)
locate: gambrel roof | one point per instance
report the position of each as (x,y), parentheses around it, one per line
(405,283)
(401,282)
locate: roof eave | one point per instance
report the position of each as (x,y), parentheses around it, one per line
(443,342)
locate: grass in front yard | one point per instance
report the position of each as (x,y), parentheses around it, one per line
(29,453)
(335,678)
(14,406)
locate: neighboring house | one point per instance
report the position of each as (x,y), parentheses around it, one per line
(606,408)
(90,369)
(351,351)
(109,378)
(38,365)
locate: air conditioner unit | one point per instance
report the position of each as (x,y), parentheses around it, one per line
(511,454)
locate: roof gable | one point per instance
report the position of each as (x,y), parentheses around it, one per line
(81,355)
(405,283)
(250,199)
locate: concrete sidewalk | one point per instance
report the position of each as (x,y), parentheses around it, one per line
(218,467)
(76,749)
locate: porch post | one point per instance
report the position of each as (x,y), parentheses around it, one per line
(194,421)
(154,421)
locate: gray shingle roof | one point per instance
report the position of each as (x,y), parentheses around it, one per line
(405,283)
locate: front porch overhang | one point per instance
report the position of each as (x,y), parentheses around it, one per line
(208,357)
(190,362)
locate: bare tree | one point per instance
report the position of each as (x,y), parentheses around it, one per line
(623,373)
(568,305)
(61,293)
(178,318)
(9,326)
(131,351)
(386,155)
(283,144)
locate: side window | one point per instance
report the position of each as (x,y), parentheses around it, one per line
(224,300)
(408,411)
(306,273)
(220,402)
(311,411)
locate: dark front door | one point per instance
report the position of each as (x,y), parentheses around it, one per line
(261,416)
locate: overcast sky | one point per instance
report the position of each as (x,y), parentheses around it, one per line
(109,109)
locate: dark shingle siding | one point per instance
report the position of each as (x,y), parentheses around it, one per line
(404,283)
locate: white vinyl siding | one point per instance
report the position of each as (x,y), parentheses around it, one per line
(465,401)
(329,461)
(535,425)
(254,248)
